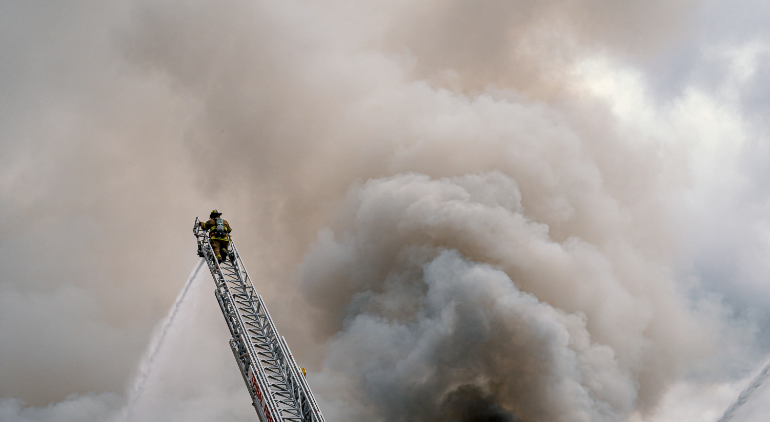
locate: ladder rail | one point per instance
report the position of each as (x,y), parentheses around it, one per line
(278,389)
(266,407)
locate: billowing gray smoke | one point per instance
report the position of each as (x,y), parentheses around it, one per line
(482,231)
(428,284)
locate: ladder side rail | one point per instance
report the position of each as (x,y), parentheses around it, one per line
(293,373)
(282,364)
(242,359)
(248,285)
(297,387)
(273,374)
(288,387)
(305,387)
(287,358)
(223,307)
(255,300)
(266,408)
(270,376)
(276,373)
(266,399)
(231,316)
(221,283)
(266,339)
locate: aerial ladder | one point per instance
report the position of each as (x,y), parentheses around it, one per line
(277,385)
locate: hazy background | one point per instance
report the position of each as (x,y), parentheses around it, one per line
(427,195)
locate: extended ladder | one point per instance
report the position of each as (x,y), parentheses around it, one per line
(279,391)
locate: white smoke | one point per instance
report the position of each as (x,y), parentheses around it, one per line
(75,408)
(189,345)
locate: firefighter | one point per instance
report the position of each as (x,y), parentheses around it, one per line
(219,234)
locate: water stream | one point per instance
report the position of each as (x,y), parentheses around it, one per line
(745,395)
(146,367)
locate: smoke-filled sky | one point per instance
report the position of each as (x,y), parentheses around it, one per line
(456,210)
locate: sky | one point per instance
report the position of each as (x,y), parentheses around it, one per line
(455,210)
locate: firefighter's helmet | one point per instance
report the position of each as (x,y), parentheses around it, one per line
(215,214)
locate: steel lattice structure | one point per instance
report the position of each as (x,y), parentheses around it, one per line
(279,391)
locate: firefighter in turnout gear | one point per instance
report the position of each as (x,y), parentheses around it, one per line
(219,234)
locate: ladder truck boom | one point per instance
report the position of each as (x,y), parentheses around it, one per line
(277,385)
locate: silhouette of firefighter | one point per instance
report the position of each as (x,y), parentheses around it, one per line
(219,234)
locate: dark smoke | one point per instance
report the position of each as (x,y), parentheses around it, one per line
(468,403)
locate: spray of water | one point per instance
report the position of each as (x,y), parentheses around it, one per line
(745,395)
(155,347)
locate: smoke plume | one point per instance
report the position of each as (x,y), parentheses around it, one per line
(434,289)
(455,210)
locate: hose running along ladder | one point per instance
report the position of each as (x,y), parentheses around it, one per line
(279,391)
